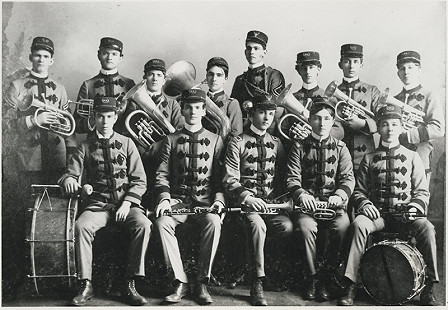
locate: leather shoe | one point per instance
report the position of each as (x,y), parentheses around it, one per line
(256,294)
(427,297)
(322,291)
(310,289)
(84,294)
(180,291)
(132,296)
(202,295)
(347,300)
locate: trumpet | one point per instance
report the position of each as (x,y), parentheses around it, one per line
(346,107)
(322,212)
(273,208)
(84,107)
(411,117)
(65,125)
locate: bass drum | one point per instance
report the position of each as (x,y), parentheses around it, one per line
(51,239)
(392,272)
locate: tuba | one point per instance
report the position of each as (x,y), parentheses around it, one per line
(411,117)
(181,76)
(150,125)
(346,107)
(297,112)
(65,125)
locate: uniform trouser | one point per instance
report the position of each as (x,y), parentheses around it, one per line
(210,226)
(279,226)
(421,229)
(307,227)
(137,226)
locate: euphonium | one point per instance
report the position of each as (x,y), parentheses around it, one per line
(322,212)
(346,107)
(181,76)
(65,125)
(411,117)
(297,112)
(147,126)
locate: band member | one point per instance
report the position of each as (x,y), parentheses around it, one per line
(258,80)
(376,192)
(422,99)
(110,162)
(358,134)
(190,174)
(320,169)
(108,83)
(217,75)
(252,179)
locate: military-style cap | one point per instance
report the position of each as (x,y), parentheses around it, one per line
(193,95)
(351,50)
(387,112)
(257,37)
(155,64)
(111,43)
(308,57)
(217,61)
(42,43)
(319,102)
(408,56)
(263,103)
(105,104)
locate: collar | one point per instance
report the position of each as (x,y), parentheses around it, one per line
(348,80)
(100,136)
(311,86)
(38,75)
(318,138)
(257,131)
(217,93)
(109,72)
(154,94)
(390,145)
(411,88)
(193,128)
(256,66)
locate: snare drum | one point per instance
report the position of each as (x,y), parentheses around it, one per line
(51,238)
(392,272)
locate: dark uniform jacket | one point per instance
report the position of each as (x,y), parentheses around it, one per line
(252,167)
(231,108)
(191,168)
(434,121)
(113,167)
(37,149)
(321,169)
(361,142)
(102,85)
(390,177)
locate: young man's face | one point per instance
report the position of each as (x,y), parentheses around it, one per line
(155,79)
(105,122)
(308,72)
(262,119)
(254,52)
(409,73)
(390,130)
(216,78)
(350,66)
(41,60)
(109,58)
(321,122)
(193,112)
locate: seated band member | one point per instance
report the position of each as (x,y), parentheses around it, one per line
(112,165)
(252,178)
(376,192)
(190,172)
(320,168)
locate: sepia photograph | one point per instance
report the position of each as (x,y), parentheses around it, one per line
(224,153)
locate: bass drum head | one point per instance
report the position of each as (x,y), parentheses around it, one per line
(387,275)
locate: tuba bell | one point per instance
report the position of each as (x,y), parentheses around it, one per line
(150,125)
(181,76)
(346,107)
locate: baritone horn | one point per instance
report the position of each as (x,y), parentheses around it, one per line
(297,113)
(65,124)
(411,117)
(150,125)
(346,107)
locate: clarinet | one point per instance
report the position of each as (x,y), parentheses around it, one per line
(272,209)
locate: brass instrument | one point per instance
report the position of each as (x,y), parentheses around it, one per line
(273,208)
(181,76)
(150,125)
(346,107)
(297,112)
(322,212)
(84,107)
(411,117)
(65,126)
(399,212)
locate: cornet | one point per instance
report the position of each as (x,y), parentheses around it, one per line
(410,116)
(346,107)
(322,212)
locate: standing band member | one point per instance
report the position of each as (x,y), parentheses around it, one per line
(190,174)
(113,167)
(253,177)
